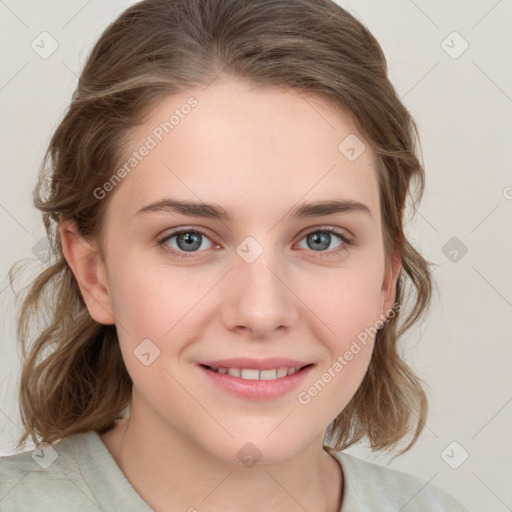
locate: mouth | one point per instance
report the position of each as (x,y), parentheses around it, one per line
(256,379)
(257,374)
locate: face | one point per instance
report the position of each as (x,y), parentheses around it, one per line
(262,287)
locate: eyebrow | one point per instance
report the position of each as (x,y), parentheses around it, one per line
(214,211)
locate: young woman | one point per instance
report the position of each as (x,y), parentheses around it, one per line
(225,200)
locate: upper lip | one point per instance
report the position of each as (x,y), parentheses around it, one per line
(256,364)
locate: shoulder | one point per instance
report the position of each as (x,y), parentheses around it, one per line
(370,486)
(43,479)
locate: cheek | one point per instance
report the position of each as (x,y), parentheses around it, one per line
(158,312)
(348,343)
(149,299)
(326,395)
(346,302)
(347,308)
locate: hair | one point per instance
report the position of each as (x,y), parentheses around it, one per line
(73,377)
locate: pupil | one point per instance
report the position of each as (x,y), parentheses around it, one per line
(321,237)
(192,241)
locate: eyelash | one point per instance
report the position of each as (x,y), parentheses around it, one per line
(178,254)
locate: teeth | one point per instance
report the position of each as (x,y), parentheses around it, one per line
(282,372)
(268,374)
(252,374)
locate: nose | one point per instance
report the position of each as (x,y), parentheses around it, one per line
(259,301)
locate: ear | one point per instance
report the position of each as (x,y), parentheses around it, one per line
(89,269)
(388,292)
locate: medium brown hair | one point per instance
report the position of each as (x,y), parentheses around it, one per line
(73,378)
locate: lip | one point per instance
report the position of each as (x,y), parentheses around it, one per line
(256,364)
(257,390)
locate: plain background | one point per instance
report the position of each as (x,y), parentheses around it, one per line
(462,102)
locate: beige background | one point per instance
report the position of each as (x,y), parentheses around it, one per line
(462,102)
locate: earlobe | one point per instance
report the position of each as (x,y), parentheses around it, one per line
(84,259)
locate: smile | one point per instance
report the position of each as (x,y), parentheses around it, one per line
(255,374)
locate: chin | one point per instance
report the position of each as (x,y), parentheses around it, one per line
(258,449)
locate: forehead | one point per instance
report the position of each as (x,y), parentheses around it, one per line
(244,146)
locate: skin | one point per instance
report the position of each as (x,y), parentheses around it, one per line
(257,152)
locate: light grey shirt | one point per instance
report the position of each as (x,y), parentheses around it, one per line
(79,474)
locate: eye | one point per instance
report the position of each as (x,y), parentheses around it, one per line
(179,243)
(188,240)
(321,238)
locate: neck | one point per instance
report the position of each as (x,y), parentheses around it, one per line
(192,478)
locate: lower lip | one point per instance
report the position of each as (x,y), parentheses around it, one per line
(257,389)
